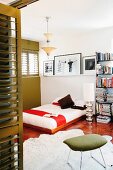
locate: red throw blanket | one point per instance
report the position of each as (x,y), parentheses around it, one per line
(60,119)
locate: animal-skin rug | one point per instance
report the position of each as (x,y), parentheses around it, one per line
(48,152)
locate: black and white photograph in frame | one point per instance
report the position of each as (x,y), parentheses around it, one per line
(48,68)
(89,65)
(68,64)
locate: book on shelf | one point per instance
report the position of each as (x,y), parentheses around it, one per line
(100,69)
(103,119)
(104,82)
(104,109)
(103,113)
(104,56)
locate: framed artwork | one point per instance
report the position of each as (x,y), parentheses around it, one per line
(48,68)
(89,65)
(68,64)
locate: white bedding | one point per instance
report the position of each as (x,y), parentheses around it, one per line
(50,123)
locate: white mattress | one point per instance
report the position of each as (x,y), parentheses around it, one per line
(50,123)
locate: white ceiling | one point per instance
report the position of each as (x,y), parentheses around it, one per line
(66,16)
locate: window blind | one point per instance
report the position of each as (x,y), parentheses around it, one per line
(30,63)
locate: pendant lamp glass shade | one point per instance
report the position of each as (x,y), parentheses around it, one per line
(48,36)
(48,49)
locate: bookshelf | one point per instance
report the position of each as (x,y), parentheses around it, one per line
(104,87)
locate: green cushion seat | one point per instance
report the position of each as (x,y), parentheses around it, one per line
(86,142)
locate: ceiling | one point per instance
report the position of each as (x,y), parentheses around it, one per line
(67,16)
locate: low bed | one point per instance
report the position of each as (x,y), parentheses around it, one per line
(51,118)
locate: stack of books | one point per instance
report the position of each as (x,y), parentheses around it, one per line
(104,56)
(104,82)
(103,119)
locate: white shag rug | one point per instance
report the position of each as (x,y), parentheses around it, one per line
(48,152)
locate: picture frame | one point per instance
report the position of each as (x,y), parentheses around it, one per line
(89,65)
(48,68)
(68,64)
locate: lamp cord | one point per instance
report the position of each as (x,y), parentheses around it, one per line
(47,19)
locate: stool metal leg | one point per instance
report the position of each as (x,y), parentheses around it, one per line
(98,161)
(81,162)
(68,157)
(103,158)
(70,164)
(68,160)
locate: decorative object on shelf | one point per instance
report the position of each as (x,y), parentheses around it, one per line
(89,63)
(48,49)
(48,67)
(105,96)
(88,93)
(68,64)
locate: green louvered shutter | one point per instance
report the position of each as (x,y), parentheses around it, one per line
(11,147)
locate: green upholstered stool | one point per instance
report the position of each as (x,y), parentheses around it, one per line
(86,143)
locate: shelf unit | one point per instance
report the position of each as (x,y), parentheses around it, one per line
(104,87)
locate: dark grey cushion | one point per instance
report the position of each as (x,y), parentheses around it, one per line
(66,102)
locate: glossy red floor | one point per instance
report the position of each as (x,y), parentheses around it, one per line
(87,127)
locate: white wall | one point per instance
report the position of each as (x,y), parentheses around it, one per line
(98,40)
(53,87)
(87,43)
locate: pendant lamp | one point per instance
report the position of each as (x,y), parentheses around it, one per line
(48,49)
